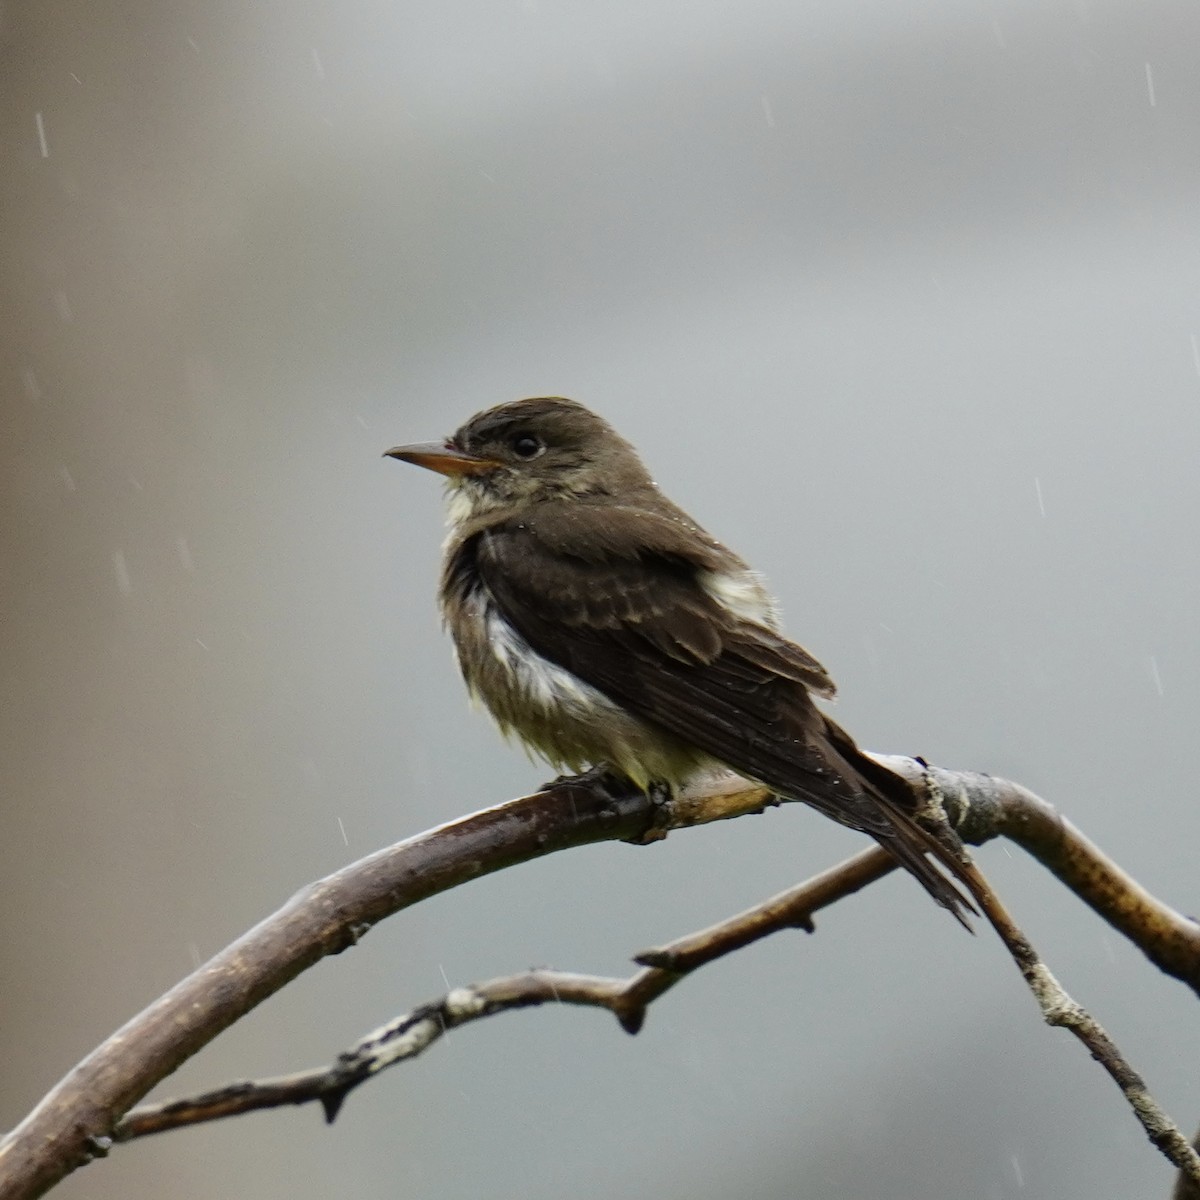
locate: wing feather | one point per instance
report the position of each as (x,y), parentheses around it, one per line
(642,630)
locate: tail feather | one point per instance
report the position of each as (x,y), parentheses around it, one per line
(912,847)
(886,805)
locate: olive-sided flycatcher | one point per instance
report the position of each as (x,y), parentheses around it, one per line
(601,625)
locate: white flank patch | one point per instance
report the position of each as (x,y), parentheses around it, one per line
(546,684)
(742,593)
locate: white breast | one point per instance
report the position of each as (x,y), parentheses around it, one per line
(554,714)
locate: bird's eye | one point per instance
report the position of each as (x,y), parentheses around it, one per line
(525,445)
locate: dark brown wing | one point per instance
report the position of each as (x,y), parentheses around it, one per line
(641,629)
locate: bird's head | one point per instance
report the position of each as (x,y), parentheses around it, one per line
(519,454)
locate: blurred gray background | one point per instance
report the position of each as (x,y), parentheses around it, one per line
(900,297)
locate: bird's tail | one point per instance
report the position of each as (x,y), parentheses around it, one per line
(913,847)
(890,801)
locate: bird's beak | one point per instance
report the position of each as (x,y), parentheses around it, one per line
(443,458)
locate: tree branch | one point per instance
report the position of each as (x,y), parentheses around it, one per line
(79,1118)
(411,1034)
(408,1035)
(74,1122)
(981,807)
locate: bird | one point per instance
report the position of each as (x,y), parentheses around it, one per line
(604,628)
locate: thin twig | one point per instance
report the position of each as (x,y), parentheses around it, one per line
(1060,1010)
(401,1039)
(1184,1188)
(1107,889)
(407,1036)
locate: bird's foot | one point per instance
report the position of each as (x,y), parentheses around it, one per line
(602,777)
(612,783)
(660,795)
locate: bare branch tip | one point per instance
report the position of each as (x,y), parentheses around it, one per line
(662,960)
(631,1019)
(332,1102)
